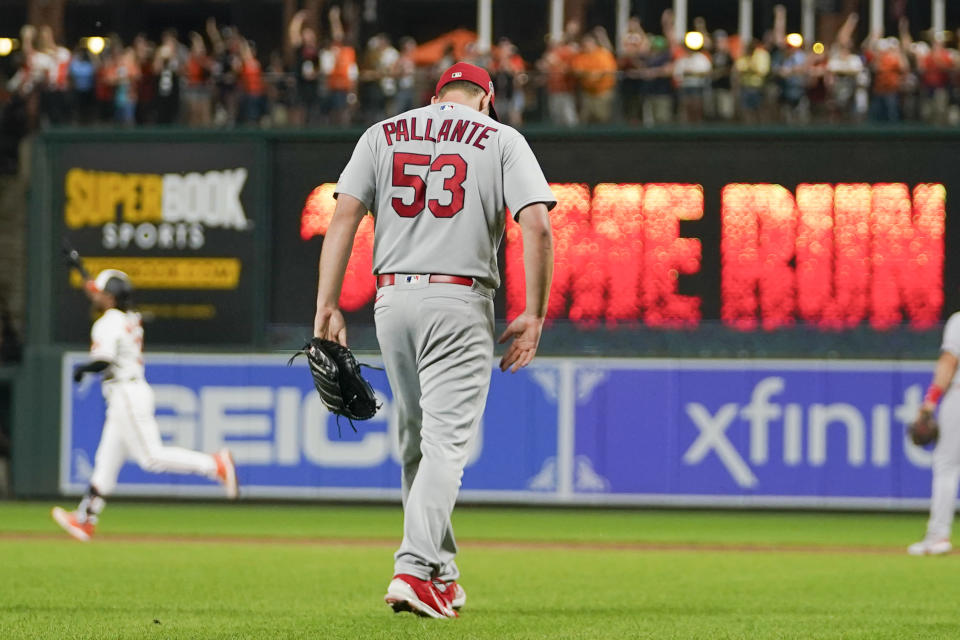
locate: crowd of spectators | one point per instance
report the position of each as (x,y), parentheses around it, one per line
(219,78)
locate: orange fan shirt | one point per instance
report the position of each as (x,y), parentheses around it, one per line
(340,78)
(598,71)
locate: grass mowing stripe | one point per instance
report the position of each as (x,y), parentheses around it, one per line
(147,538)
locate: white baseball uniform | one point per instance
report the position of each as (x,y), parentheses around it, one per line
(438,180)
(130,429)
(946,455)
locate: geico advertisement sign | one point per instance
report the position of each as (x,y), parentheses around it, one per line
(165,211)
(283,426)
(618,428)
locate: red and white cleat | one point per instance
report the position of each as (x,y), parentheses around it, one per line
(67,520)
(409,593)
(452,592)
(227,472)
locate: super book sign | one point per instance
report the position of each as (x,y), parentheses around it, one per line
(830,256)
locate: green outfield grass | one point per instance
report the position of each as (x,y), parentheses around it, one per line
(306,571)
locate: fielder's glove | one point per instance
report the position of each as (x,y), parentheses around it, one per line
(924,429)
(336,375)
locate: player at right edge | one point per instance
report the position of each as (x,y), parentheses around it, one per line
(946,455)
(438,181)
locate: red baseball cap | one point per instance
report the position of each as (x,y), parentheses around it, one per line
(469,73)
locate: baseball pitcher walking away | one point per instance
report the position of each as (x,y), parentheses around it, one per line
(946,455)
(130,429)
(438,181)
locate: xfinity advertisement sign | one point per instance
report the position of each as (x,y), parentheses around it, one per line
(686,432)
(755,432)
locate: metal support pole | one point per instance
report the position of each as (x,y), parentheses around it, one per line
(680,19)
(876,18)
(746,23)
(556,20)
(939,18)
(623,16)
(484,25)
(808,28)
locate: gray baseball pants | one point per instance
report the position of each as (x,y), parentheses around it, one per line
(437,345)
(946,468)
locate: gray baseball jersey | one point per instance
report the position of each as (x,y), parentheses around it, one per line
(437,179)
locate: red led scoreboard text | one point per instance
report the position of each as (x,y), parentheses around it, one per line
(831,256)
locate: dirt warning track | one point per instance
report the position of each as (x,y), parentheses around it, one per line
(506,545)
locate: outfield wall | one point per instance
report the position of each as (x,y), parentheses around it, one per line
(818,243)
(566,431)
(676,242)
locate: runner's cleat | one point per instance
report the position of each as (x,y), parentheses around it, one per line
(67,520)
(227,472)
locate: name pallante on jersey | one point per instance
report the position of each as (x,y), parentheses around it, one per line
(437,179)
(406,130)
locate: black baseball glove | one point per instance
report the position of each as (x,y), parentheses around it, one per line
(924,429)
(336,375)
